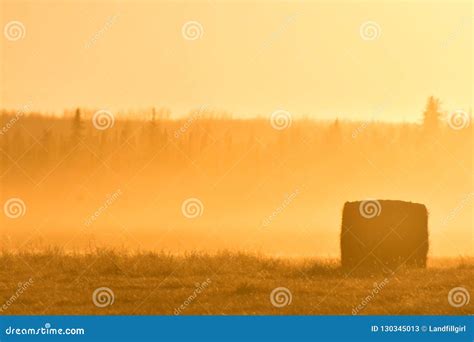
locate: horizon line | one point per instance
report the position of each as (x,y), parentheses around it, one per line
(208,113)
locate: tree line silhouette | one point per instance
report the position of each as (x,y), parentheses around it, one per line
(212,141)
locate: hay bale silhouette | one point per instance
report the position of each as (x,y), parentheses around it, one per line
(383,234)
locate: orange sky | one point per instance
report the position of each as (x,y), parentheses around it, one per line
(253,56)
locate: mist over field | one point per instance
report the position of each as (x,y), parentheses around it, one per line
(209,182)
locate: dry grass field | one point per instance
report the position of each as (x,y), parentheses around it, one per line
(52,282)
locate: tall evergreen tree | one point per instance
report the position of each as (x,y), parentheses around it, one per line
(77,127)
(432,115)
